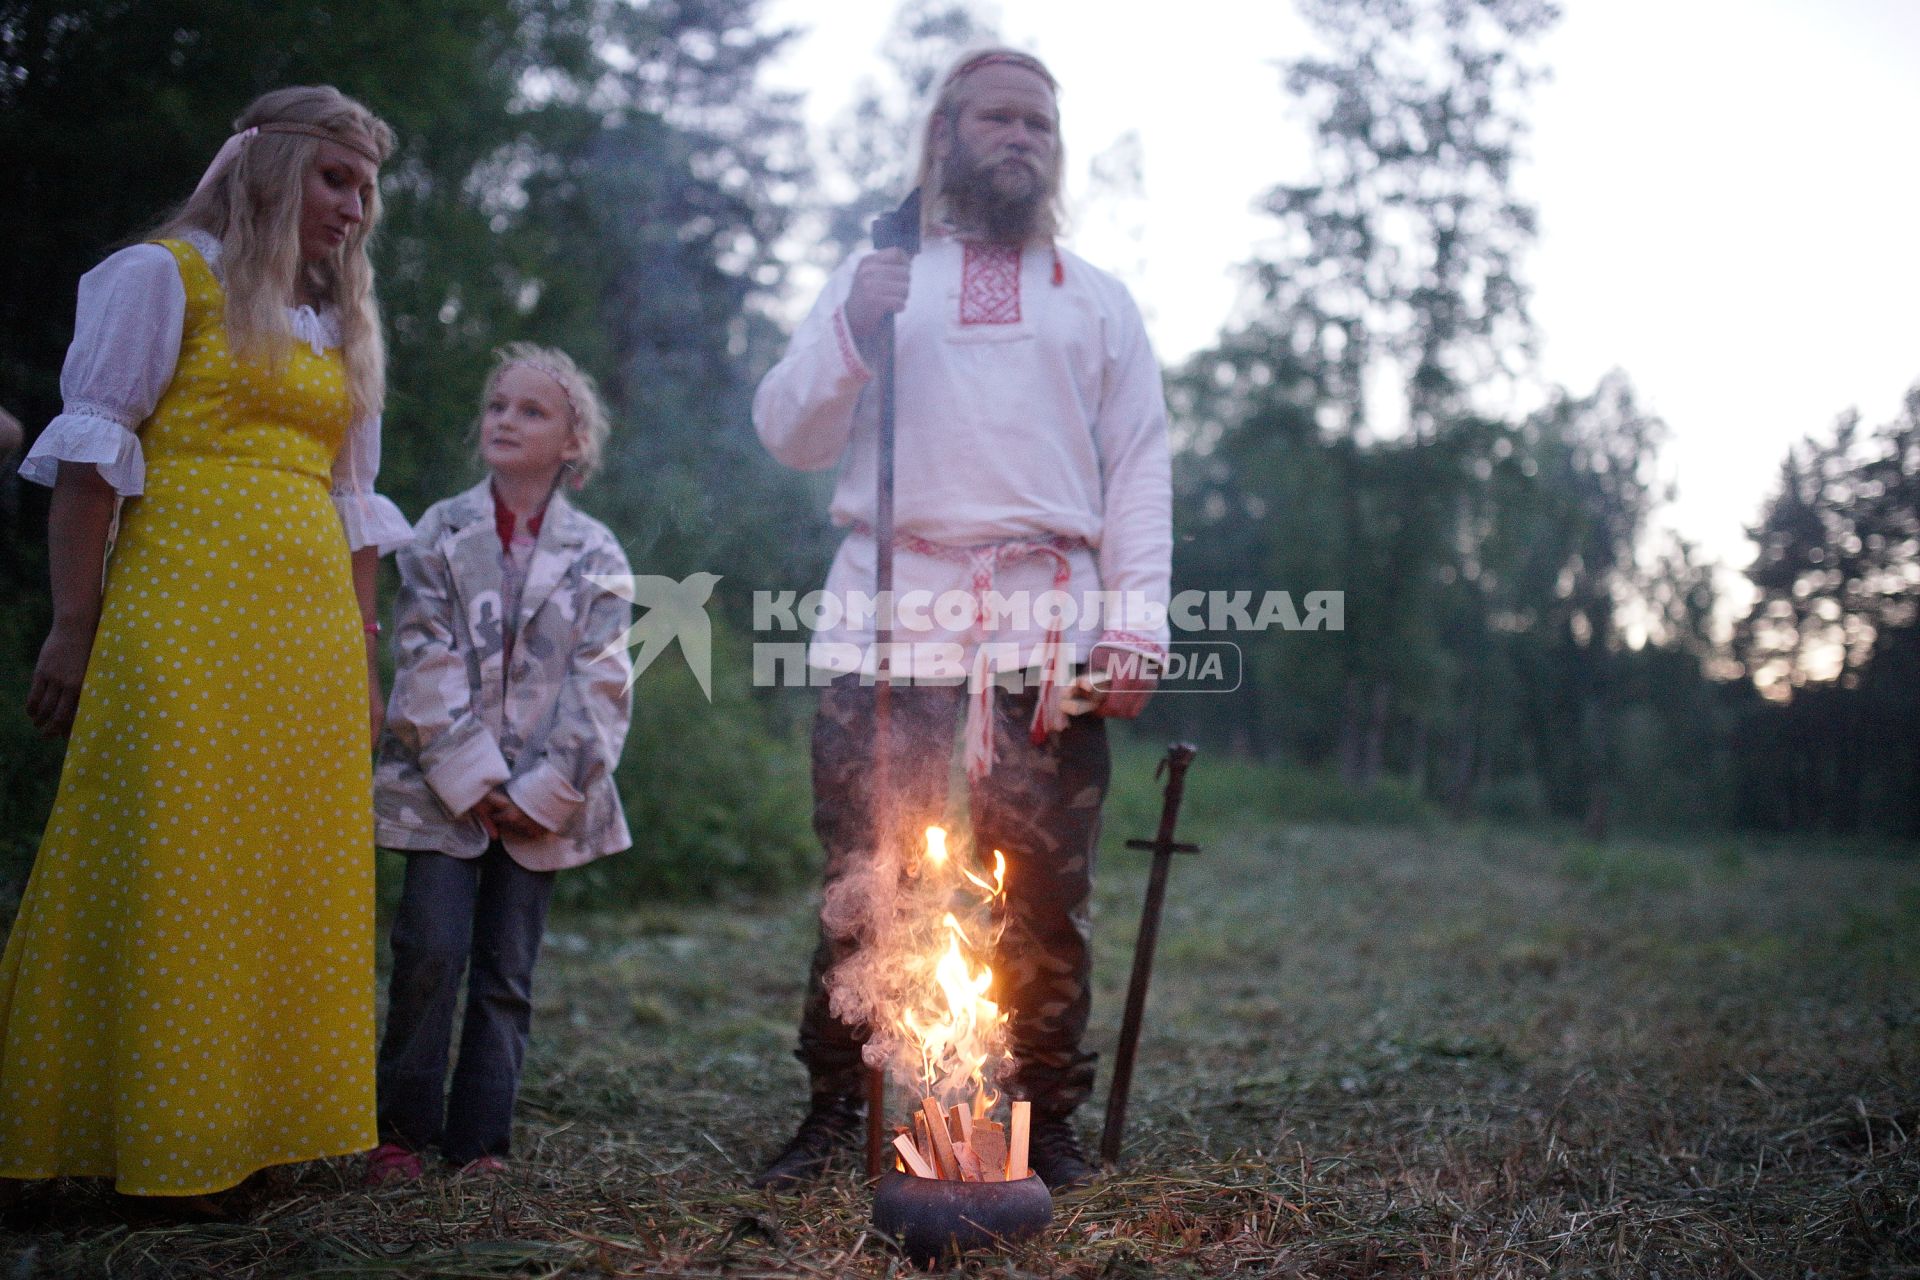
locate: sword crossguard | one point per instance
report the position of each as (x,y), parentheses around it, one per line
(1154,846)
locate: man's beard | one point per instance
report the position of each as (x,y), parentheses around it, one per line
(1005,200)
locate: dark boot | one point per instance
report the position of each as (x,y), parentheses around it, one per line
(832,1125)
(1055,1154)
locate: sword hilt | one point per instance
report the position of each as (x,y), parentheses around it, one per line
(1179,756)
(1173,767)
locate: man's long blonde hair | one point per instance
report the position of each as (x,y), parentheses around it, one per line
(252,207)
(945,114)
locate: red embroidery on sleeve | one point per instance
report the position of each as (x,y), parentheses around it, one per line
(990,284)
(1133,640)
(848,351)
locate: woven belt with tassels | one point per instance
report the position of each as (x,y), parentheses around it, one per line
(982,563)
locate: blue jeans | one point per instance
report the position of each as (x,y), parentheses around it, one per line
(481,919)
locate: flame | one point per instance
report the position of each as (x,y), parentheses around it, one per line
(999,885)
(951,1027)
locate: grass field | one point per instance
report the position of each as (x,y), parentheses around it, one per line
(1369,1052)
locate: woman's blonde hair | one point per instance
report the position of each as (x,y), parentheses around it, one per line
(945,114)
(252,206)
(591,426)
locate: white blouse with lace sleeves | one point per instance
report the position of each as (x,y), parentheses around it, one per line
(126,341)
(126,345)
(369,519)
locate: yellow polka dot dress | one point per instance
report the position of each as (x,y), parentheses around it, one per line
(187,992)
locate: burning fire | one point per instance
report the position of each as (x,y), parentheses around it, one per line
(944,1028)
(928,920)
(949,1025)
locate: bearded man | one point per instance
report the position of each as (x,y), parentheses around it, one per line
(1031,458)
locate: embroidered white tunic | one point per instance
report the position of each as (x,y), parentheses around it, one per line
(1025,410)
(126,343)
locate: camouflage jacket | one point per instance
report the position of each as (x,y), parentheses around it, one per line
(460,723)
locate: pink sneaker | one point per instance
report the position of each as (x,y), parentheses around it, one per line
(484,1167)
(391,1162)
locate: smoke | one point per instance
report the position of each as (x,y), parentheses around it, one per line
(923,912)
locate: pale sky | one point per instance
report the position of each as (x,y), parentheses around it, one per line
(1726,188)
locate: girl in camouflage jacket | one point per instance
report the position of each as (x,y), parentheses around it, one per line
(511,698)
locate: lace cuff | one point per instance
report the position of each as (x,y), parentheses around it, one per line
(371,521)
(88,433)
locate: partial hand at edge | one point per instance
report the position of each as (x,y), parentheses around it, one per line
(1126,682)
(58,675)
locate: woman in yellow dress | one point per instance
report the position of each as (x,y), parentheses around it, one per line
(187,990)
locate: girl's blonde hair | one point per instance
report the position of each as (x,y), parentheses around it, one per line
(591,426)
(252,206)
(945,114)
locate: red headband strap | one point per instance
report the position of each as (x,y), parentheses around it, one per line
(995,57)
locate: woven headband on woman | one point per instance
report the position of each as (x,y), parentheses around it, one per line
(231,148)
(346,140)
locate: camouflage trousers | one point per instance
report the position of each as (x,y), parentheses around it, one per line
(1040,806)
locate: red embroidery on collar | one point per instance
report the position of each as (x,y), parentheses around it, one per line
(990,284)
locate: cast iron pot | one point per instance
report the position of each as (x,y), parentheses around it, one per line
(933,1218)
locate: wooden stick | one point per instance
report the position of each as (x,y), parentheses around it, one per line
(942,1142)
(1017,1141)
(962,1124)
(990,1143)
(971,1167)
(911,1154)
(923,1137)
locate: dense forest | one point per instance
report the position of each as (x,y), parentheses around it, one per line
(1523,640)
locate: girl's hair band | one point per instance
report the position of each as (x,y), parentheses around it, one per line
(559,379)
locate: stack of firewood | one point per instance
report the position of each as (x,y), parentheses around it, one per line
(956,1145)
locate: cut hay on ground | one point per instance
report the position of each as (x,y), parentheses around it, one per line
(1367,1054)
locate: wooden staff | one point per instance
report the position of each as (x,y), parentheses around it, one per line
(899,229)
